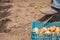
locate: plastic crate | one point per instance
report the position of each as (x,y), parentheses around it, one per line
(39,25)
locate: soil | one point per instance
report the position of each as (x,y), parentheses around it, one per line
(22,13)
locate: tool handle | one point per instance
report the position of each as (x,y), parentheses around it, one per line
(48,19)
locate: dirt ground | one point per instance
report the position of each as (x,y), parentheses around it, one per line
(22,14)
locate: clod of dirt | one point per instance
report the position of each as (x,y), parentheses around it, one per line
(7,30)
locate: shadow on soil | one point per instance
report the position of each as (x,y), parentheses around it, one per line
(4,12)
(5,1)
(5,7)
(3,25)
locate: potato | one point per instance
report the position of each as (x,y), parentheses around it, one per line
(52,28)
(57,30)
(36,30)
(45,29)
(41,30)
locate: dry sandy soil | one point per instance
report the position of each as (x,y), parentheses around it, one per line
(22,14)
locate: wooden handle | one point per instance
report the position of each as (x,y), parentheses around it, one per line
(48,19)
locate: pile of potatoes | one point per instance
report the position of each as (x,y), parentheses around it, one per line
(52,29)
